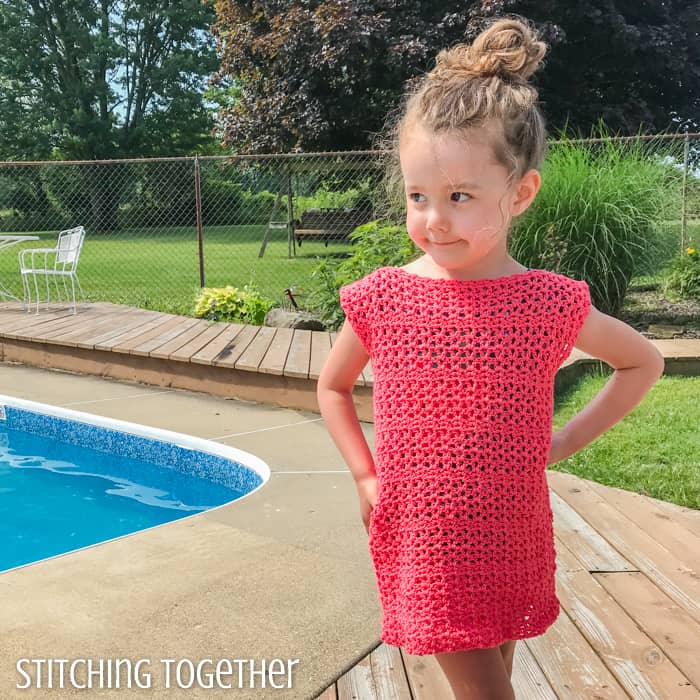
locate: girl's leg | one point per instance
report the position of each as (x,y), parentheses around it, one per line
(477,674)
(508,652)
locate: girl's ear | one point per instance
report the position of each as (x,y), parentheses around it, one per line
(525,192)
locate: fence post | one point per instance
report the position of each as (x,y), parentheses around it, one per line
(198,205)
(290,213)
(684,218)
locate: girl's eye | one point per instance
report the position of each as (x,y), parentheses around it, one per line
(416,197)
(455,196)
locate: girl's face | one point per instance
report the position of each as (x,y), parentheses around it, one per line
(458,200)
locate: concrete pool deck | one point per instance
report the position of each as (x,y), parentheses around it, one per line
(281,574)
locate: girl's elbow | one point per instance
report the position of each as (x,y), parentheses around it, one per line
(655,363)
(659,362)
(328,383)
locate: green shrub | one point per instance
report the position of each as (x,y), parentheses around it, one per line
(232,304)
(257,207)
(683,276)
(599,215)
(376,244)
(222,202)
(328,199)
(226,203)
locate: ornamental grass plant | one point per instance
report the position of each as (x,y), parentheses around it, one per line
(600,214)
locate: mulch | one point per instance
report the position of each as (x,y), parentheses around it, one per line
(654,316)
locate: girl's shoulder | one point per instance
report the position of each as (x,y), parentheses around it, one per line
(364,285)
(570,284)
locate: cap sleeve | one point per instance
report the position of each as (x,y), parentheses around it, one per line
(357,301)
(572,308)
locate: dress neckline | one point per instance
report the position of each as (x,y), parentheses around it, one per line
(483,280)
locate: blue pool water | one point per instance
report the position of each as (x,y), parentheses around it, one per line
(57,496)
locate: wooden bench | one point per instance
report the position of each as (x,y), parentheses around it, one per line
(330,224)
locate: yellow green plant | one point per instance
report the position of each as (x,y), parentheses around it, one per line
(232,304)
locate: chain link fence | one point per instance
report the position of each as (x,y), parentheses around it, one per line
(159,229)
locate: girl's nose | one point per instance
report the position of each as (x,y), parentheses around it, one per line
(436,220)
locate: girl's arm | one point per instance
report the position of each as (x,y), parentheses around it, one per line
(344,364)
(638,365)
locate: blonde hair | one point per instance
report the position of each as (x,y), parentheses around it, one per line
(483,84)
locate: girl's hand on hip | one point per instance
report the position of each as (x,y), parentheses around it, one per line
(367,490)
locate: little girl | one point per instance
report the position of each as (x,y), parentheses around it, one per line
(464,344)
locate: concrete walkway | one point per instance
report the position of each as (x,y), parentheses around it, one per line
(282,574)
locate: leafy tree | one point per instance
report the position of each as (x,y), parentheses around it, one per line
(101,78)
(323,74)
(628,63)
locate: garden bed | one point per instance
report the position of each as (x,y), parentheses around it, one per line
(648,311)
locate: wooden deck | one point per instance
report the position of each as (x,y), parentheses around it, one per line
(628,578)
(628,566)
(256,363)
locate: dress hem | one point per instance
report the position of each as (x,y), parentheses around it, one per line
(426,650)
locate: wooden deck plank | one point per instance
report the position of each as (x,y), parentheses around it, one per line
(528,680)
(34,333)
(320,347)
(190,348)
(688,517)
(591,548)
(652,520)
(150,330)
(378,675)
(15,320)
(70,335)
(104,336)
(255,351)
(572,667)
(164,351)
(297,364)
(357,682)
(388,672)
(114,321)
(155,331)
(148,346)
(39,331)
(670,627)
(232,354)
(219,344)
(649,557)
(121,342)
(276,356)
(639,666)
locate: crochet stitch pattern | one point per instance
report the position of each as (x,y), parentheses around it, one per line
(461,536)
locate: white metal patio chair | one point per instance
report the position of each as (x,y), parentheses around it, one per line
(59,262)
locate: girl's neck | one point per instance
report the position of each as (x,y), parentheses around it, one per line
(426,267)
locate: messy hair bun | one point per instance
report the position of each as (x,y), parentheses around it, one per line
(508,49)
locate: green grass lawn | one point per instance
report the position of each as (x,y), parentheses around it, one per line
(159,268)
(652,451)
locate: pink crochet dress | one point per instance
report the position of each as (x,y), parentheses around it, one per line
(461,536)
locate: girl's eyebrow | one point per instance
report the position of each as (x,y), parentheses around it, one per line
(457,186)
(467,185)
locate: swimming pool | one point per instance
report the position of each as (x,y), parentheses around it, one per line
(70,480)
